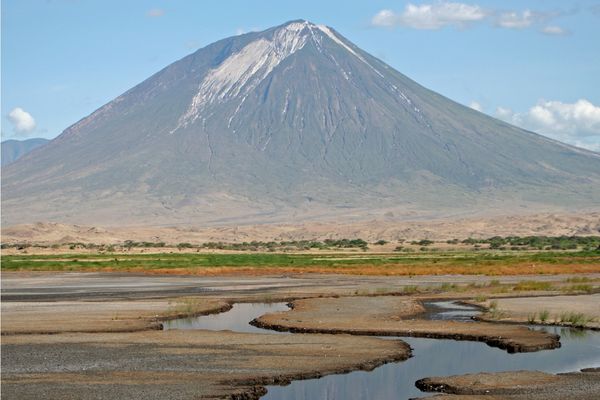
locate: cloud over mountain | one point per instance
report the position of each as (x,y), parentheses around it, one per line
(22,122)
(577,123)
(290,124)
(441,14)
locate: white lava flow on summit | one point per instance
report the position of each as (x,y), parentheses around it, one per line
(243,71)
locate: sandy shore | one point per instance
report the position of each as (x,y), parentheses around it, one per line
(101,316)
(520,310)
(390,316)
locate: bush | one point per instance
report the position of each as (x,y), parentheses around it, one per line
(423,242)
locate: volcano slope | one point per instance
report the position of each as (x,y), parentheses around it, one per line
(288,124)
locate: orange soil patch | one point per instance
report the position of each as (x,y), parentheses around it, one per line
(385,269)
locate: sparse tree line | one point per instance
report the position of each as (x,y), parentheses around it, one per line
(538,242)
(585,243)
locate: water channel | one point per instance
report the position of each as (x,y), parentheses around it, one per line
(431,357)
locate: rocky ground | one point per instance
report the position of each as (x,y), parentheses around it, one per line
(178,364)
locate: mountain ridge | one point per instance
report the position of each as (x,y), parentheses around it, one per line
(13,149)
(289,123)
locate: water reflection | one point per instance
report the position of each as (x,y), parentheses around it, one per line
(436,357)
(440,357)
(237,319)
(431,357)
(450,310)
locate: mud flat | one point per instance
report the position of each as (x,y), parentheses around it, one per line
(516,385)
(179,364)
(396,316)
(96,316)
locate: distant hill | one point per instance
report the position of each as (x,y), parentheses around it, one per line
(14,149)
(288,124)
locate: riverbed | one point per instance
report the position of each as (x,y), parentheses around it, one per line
(431,357)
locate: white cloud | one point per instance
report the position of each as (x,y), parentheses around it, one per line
(442,13)
(155,12)
(476,106)
(242,30)
(576,123)
(554,30)
(385,18)
(21,120)
(431,16)
(504,113)
(515,20)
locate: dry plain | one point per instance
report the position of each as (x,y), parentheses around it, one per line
(105,329)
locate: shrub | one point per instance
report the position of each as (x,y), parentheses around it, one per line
(423,242)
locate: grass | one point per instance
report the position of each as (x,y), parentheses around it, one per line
(383,290)
(447,286)
(578,288)
(494,312)
(578,320)
(411,264)
(579,279)
(532,286)
(410,289)
(187,306)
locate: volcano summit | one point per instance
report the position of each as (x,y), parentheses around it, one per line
(291,123)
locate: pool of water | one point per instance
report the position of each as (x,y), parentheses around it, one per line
(437,357)
(450,310)
(237,319)
(441,357)
(431,357)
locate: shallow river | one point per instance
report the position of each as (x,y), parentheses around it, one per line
(431,357)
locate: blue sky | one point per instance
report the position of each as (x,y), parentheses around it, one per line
(531,62)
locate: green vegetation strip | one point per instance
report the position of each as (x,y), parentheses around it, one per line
(66,262)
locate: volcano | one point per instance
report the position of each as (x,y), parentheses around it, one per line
(291,123)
